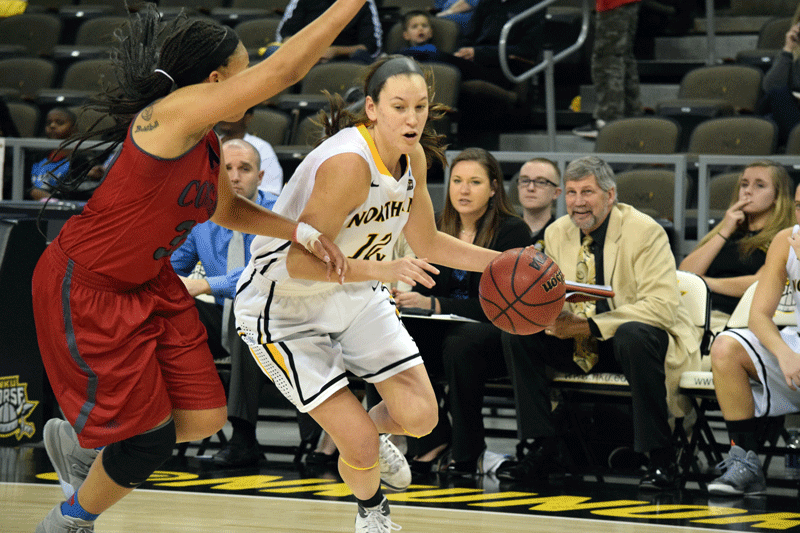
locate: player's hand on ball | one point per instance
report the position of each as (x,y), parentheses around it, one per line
(412,299)
(411,270)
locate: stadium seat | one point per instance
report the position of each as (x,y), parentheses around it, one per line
(27,75)
(741,135)
(33,34)
(639,135)
(710,92)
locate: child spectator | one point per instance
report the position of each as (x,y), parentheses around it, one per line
(59,124)
(418,33)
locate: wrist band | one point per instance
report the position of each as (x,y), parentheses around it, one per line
(433,304)
(306,236)
(724,238)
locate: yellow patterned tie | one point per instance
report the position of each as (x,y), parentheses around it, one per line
(586,352)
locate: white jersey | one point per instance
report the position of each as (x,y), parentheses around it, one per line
(369,232)
(793,276)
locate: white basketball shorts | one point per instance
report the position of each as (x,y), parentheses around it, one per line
(772,395)
(306,343)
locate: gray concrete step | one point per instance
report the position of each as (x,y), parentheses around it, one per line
(651,94)
(537,141)
(689,47)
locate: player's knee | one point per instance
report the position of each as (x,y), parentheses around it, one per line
(421,420)
(723,353)
(360,453)
(131,461)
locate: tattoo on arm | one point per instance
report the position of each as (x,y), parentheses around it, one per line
(148,127)
(147,114)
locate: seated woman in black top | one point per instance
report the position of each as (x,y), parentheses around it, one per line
(732,253)
(477,211)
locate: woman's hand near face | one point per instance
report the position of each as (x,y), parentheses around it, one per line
(734,217)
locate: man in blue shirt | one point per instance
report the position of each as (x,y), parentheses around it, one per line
(209,245)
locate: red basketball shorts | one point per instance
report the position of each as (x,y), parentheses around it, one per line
(120,358)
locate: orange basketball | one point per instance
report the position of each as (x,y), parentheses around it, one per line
(522,291)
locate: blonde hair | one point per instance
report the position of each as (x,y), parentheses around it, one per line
(780,217)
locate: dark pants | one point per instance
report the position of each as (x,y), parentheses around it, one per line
(637,350)
(247,379)
(211,317)
(782,107)
(463,356)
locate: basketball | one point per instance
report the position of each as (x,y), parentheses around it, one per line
(522,291)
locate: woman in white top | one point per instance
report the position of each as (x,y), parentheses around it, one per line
(362,186)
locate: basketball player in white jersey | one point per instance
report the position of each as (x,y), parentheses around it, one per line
(361,187)
(757,370)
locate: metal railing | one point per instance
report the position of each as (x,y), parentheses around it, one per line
(18,147)
(547,64)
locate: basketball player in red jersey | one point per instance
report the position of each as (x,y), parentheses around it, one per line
(119,334)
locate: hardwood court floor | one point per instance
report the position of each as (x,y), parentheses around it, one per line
(172,512)
(190,494)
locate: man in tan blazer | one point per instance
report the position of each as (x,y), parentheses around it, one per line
(644,331)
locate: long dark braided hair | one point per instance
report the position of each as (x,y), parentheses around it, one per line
(144,44)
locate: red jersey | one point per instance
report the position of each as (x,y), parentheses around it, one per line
(605,5)
(143,211)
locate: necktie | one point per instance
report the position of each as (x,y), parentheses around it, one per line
(235,260)
(586,351)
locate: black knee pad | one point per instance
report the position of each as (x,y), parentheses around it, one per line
(131,461)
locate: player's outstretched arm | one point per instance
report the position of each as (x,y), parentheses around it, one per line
(208,103)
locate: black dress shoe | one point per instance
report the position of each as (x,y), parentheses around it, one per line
(463,468)
(234,455)
(322,459)
(660,478)
(537,466)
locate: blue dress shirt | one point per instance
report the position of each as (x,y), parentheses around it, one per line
(208,243)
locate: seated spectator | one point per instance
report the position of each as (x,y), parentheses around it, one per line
(211,245)
(756,370)
(459,11)
(781,101)
(731,256)
(272,181)
(361,40)
(644,331)
(418,33)
(60,123)
(477,211)
(538,187)
(479,46)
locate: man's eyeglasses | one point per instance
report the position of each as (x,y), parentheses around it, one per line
(538,183)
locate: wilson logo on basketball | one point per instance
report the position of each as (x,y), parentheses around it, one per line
(553,282)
